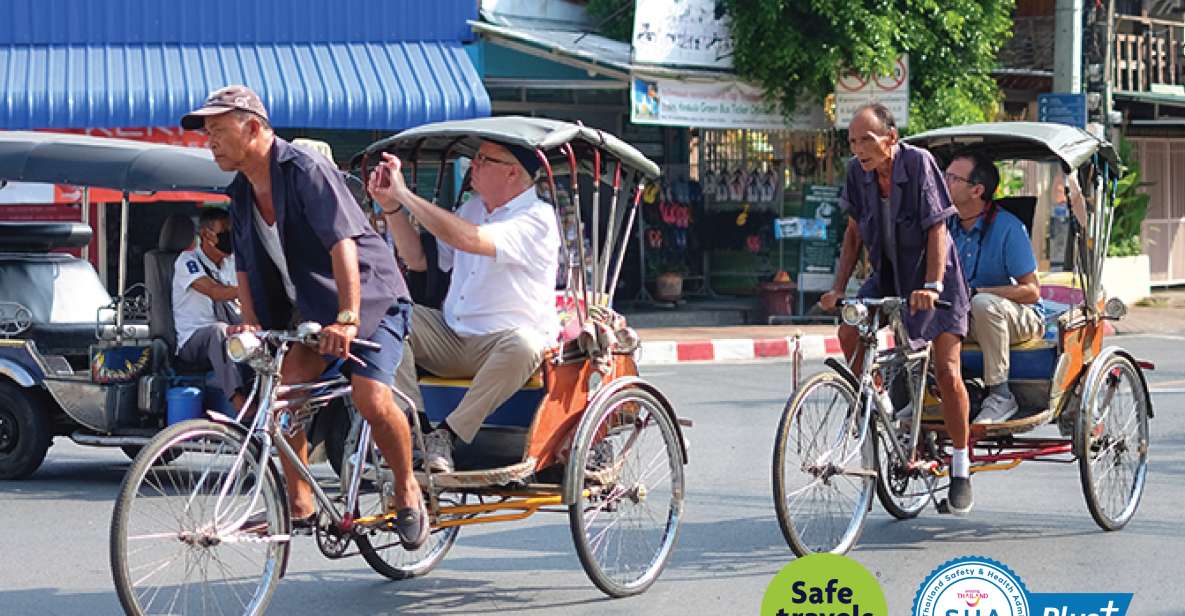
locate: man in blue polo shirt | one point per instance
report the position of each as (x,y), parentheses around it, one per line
(305,251)
(1001,271)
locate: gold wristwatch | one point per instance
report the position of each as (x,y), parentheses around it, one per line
(347,317)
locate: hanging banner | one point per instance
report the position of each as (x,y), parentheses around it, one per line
(718,104)
(682,33)
(853,90)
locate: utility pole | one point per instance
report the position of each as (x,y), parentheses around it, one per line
(1067,47)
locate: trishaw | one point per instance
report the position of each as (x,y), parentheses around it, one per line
(75,361)
(586,436)
(837,444)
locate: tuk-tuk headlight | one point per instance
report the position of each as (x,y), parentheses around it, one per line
(854,314)
(240,347)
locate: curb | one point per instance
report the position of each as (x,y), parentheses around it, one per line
(665,352)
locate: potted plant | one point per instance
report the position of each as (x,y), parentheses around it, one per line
(668,285)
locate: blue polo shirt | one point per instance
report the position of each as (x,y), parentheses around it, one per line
(997,258)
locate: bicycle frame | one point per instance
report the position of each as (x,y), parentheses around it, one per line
(283,409)
(897,358)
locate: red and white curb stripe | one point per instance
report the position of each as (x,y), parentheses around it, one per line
(660,352)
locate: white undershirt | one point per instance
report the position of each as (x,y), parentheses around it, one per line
(270,236)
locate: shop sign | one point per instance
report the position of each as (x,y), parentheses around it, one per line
(716,104)
(682,33)
(853,90)
(816,271)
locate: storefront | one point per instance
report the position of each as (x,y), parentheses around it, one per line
(345,72)
(732,167)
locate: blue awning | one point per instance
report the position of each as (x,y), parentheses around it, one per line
(344,85)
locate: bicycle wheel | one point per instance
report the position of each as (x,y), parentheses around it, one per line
(902,491)
(822,473)
(380,546)
(629,469)
(1112,442)
(173,545)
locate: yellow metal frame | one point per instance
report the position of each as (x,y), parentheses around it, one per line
(984,468)
(525,504)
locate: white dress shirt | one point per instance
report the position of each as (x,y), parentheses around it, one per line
(514,289)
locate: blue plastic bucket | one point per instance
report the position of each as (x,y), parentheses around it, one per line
(184,403)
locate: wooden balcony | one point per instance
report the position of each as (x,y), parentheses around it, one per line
(1148,55)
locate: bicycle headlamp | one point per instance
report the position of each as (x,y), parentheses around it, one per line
(241,346)
(854,314)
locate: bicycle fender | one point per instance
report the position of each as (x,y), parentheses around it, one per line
(844,371)
(570,492)
(1093,368)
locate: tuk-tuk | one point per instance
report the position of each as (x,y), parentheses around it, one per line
(75,360)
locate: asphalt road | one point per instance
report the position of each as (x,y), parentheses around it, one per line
(54,555)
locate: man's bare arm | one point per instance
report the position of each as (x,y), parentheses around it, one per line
(214,290)
(344,256)
(849,253)
(407,241)
(246,304)
(1026,290)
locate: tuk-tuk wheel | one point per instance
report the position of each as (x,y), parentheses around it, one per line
(24,432)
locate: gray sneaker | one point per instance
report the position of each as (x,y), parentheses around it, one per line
(438,452)
(996,409)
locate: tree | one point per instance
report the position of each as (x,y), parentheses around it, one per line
(795,49)
(615,17)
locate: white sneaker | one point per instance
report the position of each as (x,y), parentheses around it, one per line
(439,454)
(996,409)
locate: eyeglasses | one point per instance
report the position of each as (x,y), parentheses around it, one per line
(483,159)
(950,177)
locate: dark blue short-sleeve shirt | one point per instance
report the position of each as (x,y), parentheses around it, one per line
(314,211)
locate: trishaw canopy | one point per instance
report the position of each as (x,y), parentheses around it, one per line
(465,136)
(119,164)
(1019,141)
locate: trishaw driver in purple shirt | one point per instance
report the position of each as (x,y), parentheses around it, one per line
(306,250)
(898,205)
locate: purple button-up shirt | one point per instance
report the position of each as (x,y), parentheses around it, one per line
(314,211)
(918,201)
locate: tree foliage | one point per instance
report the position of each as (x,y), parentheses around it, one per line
(795,49)
(616,19)
(1131,206)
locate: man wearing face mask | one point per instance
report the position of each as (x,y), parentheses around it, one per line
(205,302)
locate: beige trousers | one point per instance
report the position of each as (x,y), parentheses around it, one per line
(996,323)
(499,364)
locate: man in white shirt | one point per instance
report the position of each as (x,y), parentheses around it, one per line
(499,316)
(205,302)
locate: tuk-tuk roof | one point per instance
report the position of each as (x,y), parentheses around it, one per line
(533,133)
(119,164)
(1019,141)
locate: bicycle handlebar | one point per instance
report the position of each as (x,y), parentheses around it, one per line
(308,333)
(890,302)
